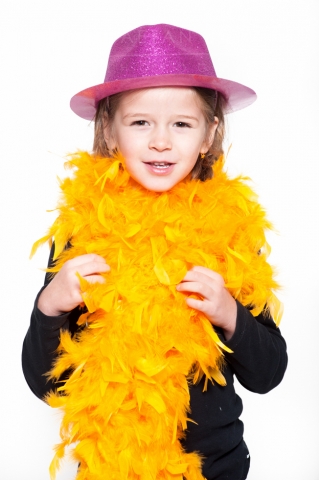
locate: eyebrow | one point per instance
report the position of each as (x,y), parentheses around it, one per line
(188,116)
(133,115)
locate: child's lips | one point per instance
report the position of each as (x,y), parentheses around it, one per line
(160,167)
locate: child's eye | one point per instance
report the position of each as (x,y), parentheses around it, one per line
(140,123)
(182,124)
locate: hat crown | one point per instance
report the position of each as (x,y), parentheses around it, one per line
(160,56)
(161,49)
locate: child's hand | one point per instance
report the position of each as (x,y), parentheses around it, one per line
(63,293)
(217,304)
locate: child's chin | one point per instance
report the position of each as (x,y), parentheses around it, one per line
(159,187)
(157,184)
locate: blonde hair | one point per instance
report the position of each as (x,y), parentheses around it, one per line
(212,104)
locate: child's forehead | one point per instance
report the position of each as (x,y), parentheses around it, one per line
(160,96)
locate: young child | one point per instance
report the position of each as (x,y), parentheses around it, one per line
(158,289)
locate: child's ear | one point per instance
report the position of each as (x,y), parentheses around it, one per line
(210,135)
(109,137)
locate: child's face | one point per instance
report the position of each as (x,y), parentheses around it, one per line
(160,132)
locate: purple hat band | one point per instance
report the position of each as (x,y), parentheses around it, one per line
(155,56)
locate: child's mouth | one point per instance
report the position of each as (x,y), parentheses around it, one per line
(159,167)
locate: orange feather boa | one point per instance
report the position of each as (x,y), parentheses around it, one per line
(126,402)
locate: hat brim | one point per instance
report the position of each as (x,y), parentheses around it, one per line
(237,96)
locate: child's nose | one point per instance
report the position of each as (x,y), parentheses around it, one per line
(160,140)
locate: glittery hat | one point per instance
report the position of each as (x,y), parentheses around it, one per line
(157,56)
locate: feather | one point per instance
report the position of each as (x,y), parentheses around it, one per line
(126,402)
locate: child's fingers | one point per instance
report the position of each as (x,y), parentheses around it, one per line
(214,280)
(84,265)
(202,288)
(209,273)
(215,302)
(91,268)
(85,259)
(200,305)
(192,276)
(195,303)
(95,278)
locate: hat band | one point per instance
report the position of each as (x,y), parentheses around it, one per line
(136,66)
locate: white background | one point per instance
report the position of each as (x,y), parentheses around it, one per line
(51,50)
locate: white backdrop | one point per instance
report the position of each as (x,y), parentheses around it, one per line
(51,50)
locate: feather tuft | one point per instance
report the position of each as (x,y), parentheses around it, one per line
(126,401)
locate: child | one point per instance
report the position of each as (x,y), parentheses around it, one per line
(161,289)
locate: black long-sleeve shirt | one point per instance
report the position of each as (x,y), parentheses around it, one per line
(259,362)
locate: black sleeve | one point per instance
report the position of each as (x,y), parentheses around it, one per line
(259,358)
(41,343)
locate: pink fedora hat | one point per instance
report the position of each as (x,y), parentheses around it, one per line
(157,56)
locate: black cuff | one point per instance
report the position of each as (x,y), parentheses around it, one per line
(241,324)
